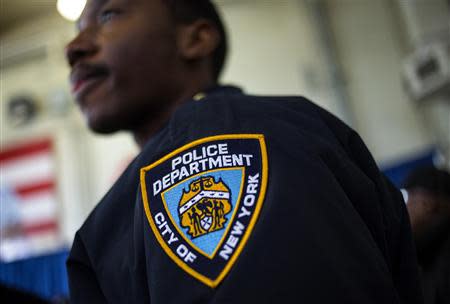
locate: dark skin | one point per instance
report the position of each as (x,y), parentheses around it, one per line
(132,65)
(429,214)
(424,208)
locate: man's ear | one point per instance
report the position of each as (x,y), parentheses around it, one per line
(197,40)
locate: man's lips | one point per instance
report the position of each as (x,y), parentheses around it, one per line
(82,87)
(84,78)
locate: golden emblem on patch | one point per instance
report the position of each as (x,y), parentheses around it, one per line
(202,209)
(203,199)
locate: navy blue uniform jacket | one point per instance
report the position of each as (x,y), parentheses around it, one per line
(331,228)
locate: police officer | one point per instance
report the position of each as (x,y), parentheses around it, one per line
(306,217)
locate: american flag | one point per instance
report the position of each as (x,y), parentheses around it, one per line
(29,204)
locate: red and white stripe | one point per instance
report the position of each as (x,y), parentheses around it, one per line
(29,171)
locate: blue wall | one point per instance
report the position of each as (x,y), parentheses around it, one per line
(398,172)
(44,276)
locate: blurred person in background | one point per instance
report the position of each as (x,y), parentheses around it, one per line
(10,216)
(428,203)
(13,243)
(316,222)
(11,295)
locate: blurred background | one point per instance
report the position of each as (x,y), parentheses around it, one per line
(381,66)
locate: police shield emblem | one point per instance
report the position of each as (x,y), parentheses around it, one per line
(203,199)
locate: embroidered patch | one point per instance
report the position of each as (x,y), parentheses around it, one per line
(203,199)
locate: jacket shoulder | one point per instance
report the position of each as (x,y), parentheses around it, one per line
(287,117)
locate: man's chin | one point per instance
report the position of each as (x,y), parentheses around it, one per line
(100,127)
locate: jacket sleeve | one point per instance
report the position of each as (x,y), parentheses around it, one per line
(394,238)
(83,283)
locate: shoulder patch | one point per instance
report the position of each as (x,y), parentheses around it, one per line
(203,199)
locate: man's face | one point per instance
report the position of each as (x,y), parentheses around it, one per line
(124,63)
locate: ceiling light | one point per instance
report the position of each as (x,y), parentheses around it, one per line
(70,9)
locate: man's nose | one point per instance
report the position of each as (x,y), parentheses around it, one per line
(81,47)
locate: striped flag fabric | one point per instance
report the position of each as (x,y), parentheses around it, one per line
(29,202)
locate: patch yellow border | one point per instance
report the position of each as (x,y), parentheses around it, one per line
(236,253)
(231,219)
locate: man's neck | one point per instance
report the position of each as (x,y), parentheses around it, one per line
(143,134)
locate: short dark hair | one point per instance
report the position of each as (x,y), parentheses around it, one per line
(187,11)
(431,179)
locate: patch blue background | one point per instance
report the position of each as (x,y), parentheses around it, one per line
(208,242)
